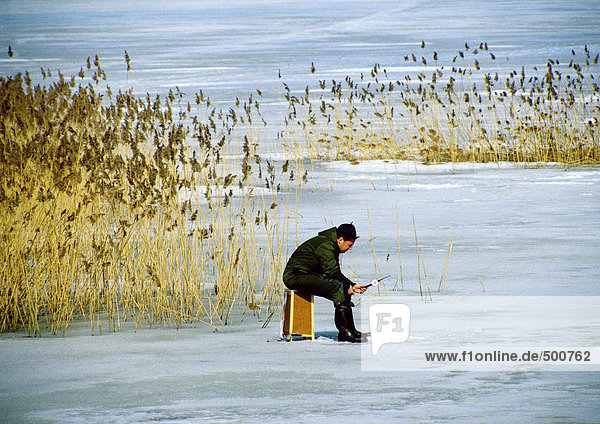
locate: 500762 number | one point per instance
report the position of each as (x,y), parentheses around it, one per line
(566,355)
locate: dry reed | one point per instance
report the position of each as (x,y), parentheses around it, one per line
(453,112)
(107,212)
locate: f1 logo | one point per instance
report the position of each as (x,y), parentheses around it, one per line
(389,323)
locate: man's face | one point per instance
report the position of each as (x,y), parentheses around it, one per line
(344,244)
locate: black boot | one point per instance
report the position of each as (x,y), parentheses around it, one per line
(360,334)
(345,323)
(357,334)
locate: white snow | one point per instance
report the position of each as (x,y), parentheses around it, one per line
(518,233)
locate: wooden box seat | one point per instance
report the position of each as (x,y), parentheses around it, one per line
(298,315)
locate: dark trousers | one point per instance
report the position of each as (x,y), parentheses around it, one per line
(315,284)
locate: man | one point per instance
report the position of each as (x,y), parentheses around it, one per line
(314,268)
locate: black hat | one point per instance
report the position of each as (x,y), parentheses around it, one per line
(347,231)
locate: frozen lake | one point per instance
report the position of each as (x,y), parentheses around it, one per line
(514,231)
(517,232)
(231,49)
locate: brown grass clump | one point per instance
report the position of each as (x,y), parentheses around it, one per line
(454,112)
(107,210)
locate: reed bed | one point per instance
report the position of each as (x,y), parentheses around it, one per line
(456,109)
(156,210)
(108,213)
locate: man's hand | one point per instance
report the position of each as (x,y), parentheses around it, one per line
(357,289)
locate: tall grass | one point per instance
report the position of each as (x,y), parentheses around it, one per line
(105,208)
(460,109)
(158,211)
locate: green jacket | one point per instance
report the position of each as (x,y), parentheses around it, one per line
(318,255)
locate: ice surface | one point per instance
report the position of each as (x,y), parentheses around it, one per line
(510,238)
(514,231)
(560,332)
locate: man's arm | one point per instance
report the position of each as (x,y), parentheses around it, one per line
(330,263)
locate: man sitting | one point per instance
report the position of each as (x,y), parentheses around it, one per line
(314,268)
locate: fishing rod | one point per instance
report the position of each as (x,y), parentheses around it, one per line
(375,282)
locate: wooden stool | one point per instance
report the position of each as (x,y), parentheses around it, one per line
(298,315)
